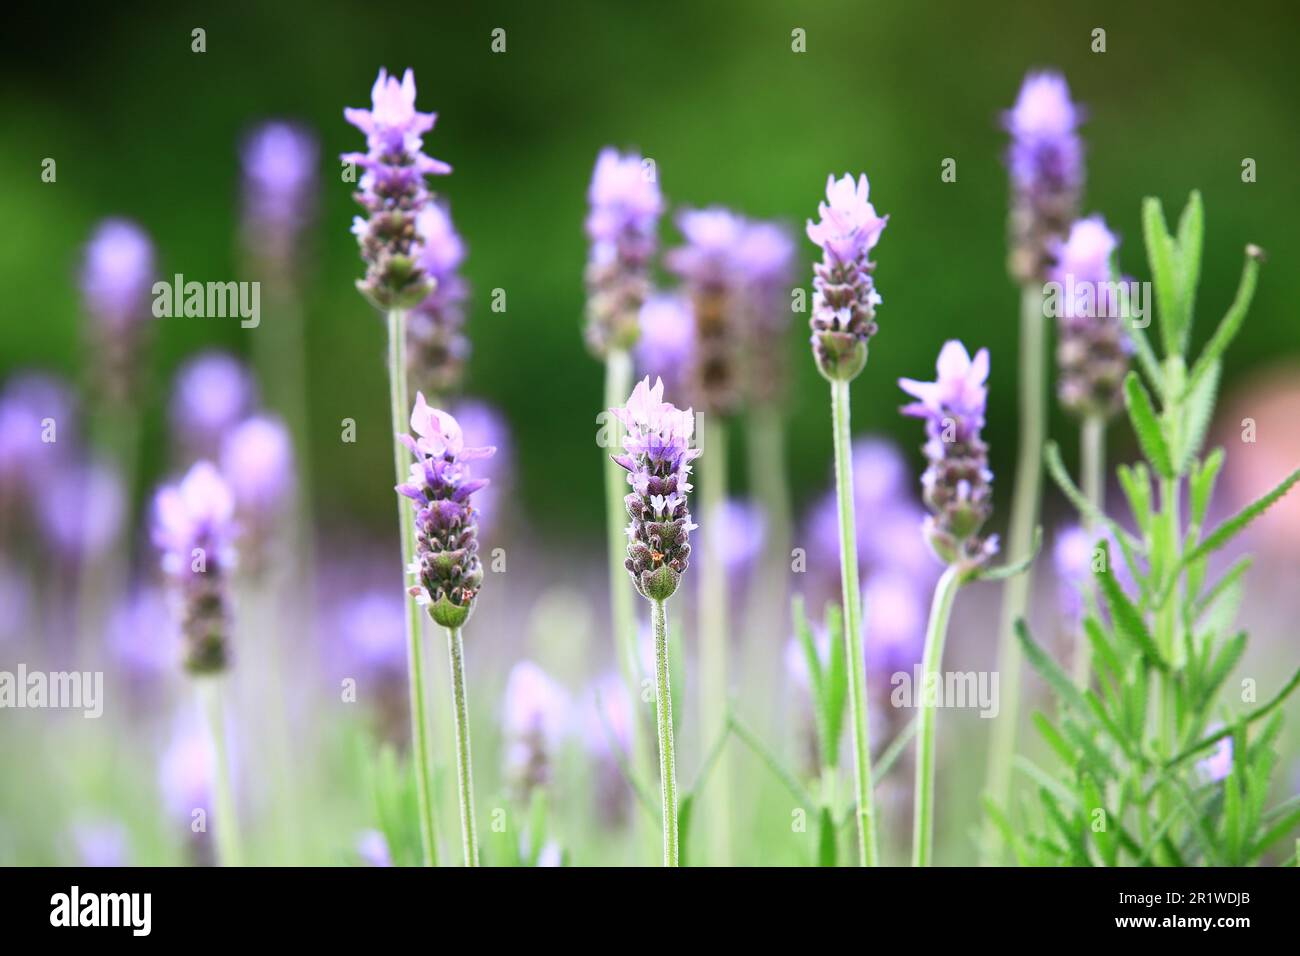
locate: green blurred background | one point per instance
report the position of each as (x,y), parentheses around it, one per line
(141,126)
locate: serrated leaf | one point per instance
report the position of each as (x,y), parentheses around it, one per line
(1088,510)
(827,844)
(1164,275)
(1051,672)
(1127,618)
(1136,483)
(1275,833)
(1201,485)
(1105,840)
(1224,661)
(1191,238)
(1197,414)
(1231,322)
(1054,740)
(1146,425)
(1238,522)
(837,682)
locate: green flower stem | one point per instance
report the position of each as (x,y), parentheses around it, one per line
(664,715)
(464,763)
(1024,518)
(401,411)
(1092,459)
(767,470)
(868,854)
(937,631)
(229,852)
(714,636)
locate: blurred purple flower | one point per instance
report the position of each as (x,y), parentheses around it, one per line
(186,771)
(80,534)
(765,257)
(1218,765)
(101,843)
(373,632)
(437,347)
(485,427)
(535,719)
(737,530)
(257,462)
(116,281)
(894,622)
(142,635)
(29,405)
(279,161)
(372,848)
(212,393)
(666,346)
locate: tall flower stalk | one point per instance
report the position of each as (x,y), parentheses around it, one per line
(193,529)
(1045,160)
(447,570)
(393,193)
(657,454)
(843,321)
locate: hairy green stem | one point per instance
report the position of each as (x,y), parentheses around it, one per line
(931,682)
(229,851)
(401,411)
(664,716)
(1092,464)
(464,762)
(1024,518)
(714,637)
(868,854)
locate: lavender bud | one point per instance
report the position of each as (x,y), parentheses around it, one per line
(193,529)
(1046,164)
(657,456)
(957,484)
(116,283)
(1092,349)
(447,569)
(844,293)
(393,192)
(625,209)
(436,346)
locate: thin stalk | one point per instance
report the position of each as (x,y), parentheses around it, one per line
(767,471)
(664,715)
(401,410)
(1024,518)
(937,631)
(464,763)
(229,852)
(868,854)
(714,637)
(1092,459)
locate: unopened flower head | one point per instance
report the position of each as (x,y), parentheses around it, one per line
(766,260)
(710,271)
(436,346)
(116,282)
(844,292)
(393,191)
(279,162)
(657,454)
(625,205)
(193,529)
(1092,348)
(447,569)
(535,720)
(1046,164)
(957,484)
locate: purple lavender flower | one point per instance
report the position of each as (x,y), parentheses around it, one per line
(213,392)
(142,636)
(737,530)
(895,622)
(1218,765)
(279,160)
(371,627)
(622,222)
(36,428)
(1046,164)
(1092,349)
(657,455)
(393,192)
(186,771)
(437,348)
(372,848)
(447,568)
(666,346)
(485,426)
(116,281)
(844,292)
(1072,560)
(101,843)
(606,717)
(765,257)
(80,534)
(709,269)
(193,528)
(535,720)
(257,462)
(957,484)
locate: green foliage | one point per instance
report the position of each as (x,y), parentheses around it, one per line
(1131,740)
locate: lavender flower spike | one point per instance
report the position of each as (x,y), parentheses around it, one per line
(657,457)
(844,293)
(393,191)
(447,569)
(116,280)
(1092,348)
(436,344)
(279,161)
(957,484)
(1046,164)
(193,528)
(625,209)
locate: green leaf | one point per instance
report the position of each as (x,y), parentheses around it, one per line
(1231,322)
(837,683)
(1197,414)
(1136,482)
(1238,522)
(1128,544)
(1224,586)
(1054,740)
(1146,424)
(1264,709)
(1127,618)
(1201,485)
(1227,658)
(1009,834)
(827,841)
(1191,238)
(1275,833)
(1164,275)
(1051,672)
(1105,840)
(1146,356)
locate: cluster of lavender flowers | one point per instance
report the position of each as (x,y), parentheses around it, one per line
(844,292)
(623,218)
(194,530)
(1092,347)
(957,483)
(116,282)
(657,455)
(437,348)
(447,569)
(393,192)
(1046,164)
